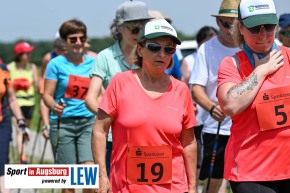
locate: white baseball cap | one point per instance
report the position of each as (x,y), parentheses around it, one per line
(257,12)
(157,28)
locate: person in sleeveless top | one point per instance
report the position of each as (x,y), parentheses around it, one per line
(24,78)
(253,88)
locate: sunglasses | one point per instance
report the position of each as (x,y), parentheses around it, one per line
(285,33)
(153,47)
(73,40)
(134,30)
(256,30)
(226,24)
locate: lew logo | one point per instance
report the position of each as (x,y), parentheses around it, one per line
(84,175)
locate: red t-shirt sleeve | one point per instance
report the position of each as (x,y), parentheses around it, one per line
(228,72)
(109,99)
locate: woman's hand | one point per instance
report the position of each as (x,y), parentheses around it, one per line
(58,109)
(45,131)
(270,63)
(104,185)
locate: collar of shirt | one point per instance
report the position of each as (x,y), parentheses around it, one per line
(250,52)
(117,53)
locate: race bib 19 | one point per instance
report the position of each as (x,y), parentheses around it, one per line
(149,165)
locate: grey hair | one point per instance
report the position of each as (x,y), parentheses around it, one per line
(115,29)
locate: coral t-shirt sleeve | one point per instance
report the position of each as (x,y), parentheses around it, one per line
(189,119)
(228,72)
(109,99)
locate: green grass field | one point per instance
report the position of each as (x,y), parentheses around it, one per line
(36,114)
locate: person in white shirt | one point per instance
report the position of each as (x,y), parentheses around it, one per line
(284,30)
(204,85)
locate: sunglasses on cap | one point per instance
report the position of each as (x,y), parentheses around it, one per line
(153,47)
(256,30)
(134,30)
(285,33)
(73,40)
(226,24)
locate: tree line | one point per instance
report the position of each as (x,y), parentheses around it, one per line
(42,47)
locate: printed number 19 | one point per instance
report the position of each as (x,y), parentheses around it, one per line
(280,113)
(153,171)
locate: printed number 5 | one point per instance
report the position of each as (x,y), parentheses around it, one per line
(280,113)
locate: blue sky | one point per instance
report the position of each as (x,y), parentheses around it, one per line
(39,19)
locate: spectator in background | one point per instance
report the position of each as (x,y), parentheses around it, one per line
(203,35)
(129,20)
(284,30)
(87,50)
(59,48)
(204,84)
(175,69)
(24,77)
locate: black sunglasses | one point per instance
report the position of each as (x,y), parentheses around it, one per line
(285,33)
(226,24)
(134,30)
(73,40)
(153,47)
(256,30)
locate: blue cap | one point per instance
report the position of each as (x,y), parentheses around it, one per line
(284,20)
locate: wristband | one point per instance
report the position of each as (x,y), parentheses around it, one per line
(212,108)
(46,127)
(18,120)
